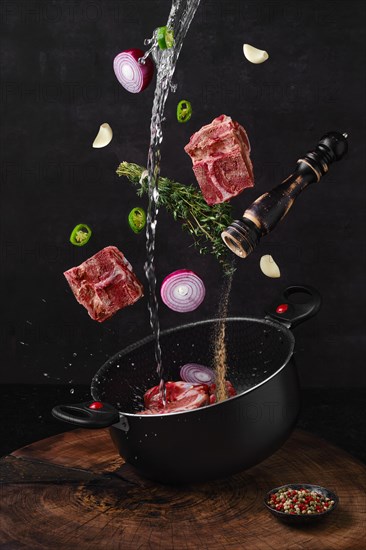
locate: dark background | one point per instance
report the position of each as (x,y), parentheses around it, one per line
(58,86)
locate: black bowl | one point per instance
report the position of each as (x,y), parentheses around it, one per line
(301,518)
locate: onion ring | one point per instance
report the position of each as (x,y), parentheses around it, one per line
(182,291)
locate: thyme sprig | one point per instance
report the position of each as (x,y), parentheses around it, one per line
(187,205)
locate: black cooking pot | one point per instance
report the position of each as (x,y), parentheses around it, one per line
(219,439)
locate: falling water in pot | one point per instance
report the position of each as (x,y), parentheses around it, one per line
(180,17)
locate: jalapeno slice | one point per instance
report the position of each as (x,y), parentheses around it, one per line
(137,219)
(165,38)
(80,235)
(184,111)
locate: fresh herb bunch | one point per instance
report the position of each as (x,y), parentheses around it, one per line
(205,223)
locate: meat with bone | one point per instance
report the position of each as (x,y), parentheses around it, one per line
(221,163)
(105,283)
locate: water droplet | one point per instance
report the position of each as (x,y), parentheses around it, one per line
(72,390)
(46,374)
(74,354)
(156,197)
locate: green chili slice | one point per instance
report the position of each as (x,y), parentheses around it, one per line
(169,38)
(80,235)
(165,38)
(184,111)
(137,219)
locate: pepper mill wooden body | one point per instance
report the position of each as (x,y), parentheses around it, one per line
(242,236)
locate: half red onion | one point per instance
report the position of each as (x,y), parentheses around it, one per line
(133,76)
(197,374)
(182,291)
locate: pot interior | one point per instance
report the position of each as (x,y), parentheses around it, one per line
(256,349)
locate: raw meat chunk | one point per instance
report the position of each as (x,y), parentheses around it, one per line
(221,163)
(180,396)
(229,388)
(105,283)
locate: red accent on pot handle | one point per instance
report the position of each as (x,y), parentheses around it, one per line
(302,302)
(86,415)
(96,405)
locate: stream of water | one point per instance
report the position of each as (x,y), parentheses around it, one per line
(180,18)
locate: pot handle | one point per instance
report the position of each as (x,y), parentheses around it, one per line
(91,414)
(289,310)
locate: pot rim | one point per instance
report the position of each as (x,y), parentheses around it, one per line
(151,337)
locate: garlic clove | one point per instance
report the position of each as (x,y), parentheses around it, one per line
(269,267)
(104,136)
(254,55)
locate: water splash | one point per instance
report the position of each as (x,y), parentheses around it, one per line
(180,18)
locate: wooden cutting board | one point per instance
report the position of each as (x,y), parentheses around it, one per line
(73,492)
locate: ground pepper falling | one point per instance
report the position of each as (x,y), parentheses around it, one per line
(220,354)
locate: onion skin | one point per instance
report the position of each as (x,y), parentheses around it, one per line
(143,73)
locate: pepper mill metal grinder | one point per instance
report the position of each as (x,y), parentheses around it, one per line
(242,236)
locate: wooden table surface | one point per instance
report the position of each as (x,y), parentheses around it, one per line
(73,492)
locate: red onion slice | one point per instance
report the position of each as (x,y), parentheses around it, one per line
(182,291)
(197,374)
(133,76)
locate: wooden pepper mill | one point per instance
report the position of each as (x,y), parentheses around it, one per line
(242,236)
